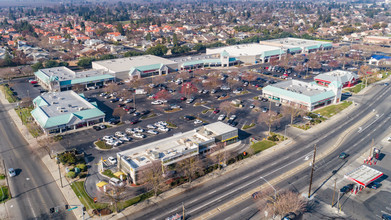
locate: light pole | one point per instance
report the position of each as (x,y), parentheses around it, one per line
(275,193)
(285,132)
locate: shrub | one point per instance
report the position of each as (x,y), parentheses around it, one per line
(71,174)
(83,175)
(67,158)
(273,138)
(82,167)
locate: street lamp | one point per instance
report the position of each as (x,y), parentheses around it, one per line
(275,193)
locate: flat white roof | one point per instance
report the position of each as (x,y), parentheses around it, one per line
(219,128)
(64,102)
(364,175)
(125,64)
(295,42)
(244,50)
(301,87)
(63,73)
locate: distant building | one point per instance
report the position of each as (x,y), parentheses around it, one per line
(378,59)
(248,53)
(61,78)
(139,66)
(303,95)
(297,45)
(215,60)
(346,78)
(56,112)
(176,148)
(377,39)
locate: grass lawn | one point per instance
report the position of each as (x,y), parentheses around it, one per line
(9,95)
(173,110)
(132,201)
(357,88)
(148,116)
(4,196)
(88,202)
(109,173)
(248,126)
(25,114)
(333,109)
(262,145)
(206,110)
(102,145)
(171,125)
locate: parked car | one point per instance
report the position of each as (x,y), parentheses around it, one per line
(190,100)
(233,117)
(139,130)
(221,117)
(11,172)
(152,132)
(188,117)
(183,98)
(112,160)
(96,128)
(134,121)
(216,111)
(386,217)
(346,188)
(119,134)
(252,106)
(114,100)
(374,185)
(264,109)
(175,106)
(138,135)
(32,81)
(125,138)
(224,87)
(128,101)
(157,102)
(113,121)
(164,129)
(197,121)
(102,127)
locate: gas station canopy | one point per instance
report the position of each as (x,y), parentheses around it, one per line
(363,175)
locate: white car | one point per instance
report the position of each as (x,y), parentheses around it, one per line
(112,160)
(307,118)
(151,126)
(225,88)
(161,123)
(197,121)
(190,100)
(125,138)
(139,130)
(157,102)
(233,117)
(130,130)
(11,172)
(175,106)
(119,134)
(128,101)
(103,94)
(221,117)
(164,129)
(152,132)
(137,135)
(107,137)
(113,142)
(389,139)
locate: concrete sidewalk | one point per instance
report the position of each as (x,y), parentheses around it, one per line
(51,165)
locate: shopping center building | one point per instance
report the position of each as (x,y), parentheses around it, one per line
(56,112)
(303,95)
(61,78)
(175,148)
(346,78)
(297,45)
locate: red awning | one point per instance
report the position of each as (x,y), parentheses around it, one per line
(364,175)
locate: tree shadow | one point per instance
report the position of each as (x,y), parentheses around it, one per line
(332,174)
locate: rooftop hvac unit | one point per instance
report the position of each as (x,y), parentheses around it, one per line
(207,132)
(58,108)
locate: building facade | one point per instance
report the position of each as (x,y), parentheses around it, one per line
(303,95)
(346,78)
(59,79)
(174,149)
(56,112)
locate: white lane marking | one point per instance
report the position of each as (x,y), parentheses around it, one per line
(212,192)
(28,200)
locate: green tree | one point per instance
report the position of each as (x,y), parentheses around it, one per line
(8,60)
(85,62)
(120,29)
(175,40)
(158,50)
(148,37)
(36,66)
(50,63)
(199,47)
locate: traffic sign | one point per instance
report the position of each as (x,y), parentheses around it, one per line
(72,208)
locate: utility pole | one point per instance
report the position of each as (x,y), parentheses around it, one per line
(370,149)
(312,172)
(59,172)
(339,192)
(134,99)
(335,186)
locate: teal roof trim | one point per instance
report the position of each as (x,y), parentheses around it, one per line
(39,101)
(313,47)
(295,49)
(224,53)
(43,77)
(195,62)
(150,67)
(327,45)
(87,79)
(89,113)
(39,116)
(272,53)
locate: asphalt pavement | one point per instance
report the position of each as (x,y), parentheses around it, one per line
(33,189)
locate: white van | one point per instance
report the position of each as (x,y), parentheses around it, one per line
(115,182)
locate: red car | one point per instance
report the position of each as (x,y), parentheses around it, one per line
(216,111)
(33,81)
(183,98)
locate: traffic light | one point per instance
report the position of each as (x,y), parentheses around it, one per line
(51,210)
(66,206)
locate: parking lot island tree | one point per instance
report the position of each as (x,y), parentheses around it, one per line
(292,112)
(119,112)
(163,95)
(271,118)
(111,87)
(46,143)
(227,107)
(188,89)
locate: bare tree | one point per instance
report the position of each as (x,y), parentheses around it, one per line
(163,95)
(111,87)
(333,64)
(227,107)
(188,89)
(26,102)
(292,111)
(45,143)
(281,203)
(115,195)
(153,177)
(191,167)
(269,119)
(119,112)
